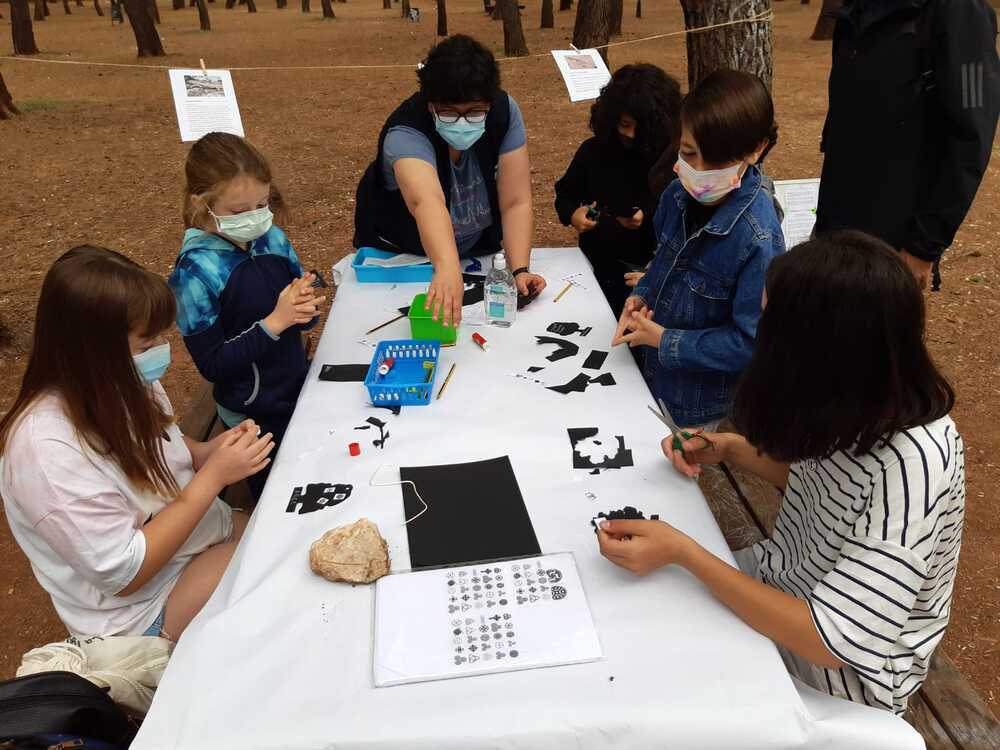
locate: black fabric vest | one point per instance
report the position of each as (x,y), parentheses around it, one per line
(381,218)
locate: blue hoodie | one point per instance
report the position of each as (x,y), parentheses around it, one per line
(223,295)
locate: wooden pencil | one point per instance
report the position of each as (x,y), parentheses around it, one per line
(451,371)
(383,325)
(565,289)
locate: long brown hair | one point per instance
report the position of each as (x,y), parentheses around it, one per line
(213,161)
(91,299)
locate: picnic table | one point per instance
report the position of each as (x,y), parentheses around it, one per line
(280,657)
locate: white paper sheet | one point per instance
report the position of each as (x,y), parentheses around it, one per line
(476,619)
(583,71)
(205,103)
(397,261)
(799,199)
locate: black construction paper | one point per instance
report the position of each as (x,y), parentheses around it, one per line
(568,329)
(378,442)
(587,447)
(564,348)
(605,379)
(576,385)
(474,512)
(343,373)
(535,369)
(317,496)
(474,293)
(595,360)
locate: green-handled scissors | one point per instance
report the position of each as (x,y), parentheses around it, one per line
(679,435)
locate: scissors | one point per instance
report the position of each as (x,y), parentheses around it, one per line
(679,435)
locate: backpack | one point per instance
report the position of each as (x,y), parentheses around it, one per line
(63,707)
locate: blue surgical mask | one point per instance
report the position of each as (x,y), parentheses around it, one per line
(460,135)
(153,362)
(247,226)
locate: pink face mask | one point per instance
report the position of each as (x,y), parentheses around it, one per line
(709,186)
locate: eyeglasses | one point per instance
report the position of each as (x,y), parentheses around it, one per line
(450,117)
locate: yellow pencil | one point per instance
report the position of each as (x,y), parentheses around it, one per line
(565,289)
(450,373)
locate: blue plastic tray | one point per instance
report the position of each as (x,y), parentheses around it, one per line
(376,275)
(410,382)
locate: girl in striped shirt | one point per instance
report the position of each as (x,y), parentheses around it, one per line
(842,408)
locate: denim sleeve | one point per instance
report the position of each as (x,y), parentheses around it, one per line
(726,348)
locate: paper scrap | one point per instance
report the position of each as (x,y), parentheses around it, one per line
(583,71)
(205,102)
(396,261)
(799,200)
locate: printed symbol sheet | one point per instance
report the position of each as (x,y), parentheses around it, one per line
(477,619)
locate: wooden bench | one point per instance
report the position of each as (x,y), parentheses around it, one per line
(201,422)
(947,711)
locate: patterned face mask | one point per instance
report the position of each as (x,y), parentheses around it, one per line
(708,186)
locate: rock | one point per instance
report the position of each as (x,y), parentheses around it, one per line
(356,553)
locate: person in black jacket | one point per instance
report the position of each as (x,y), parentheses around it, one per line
(605,193)
(451,178)
(914,96)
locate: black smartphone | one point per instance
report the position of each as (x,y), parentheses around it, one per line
(523,300)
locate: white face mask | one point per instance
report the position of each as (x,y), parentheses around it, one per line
(711,185)
(245,227)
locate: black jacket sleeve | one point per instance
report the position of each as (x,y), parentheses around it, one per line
(572,189)
(967,99)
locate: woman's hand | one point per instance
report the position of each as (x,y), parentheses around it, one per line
(240,455)
(579,220)
(631,222)
(445,294)
(202,451)
(297,305)
(632,304)
(529,283)
(642,546)
(642,330)
(702,448)
(632,278)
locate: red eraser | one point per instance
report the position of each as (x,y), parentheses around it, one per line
(354,449)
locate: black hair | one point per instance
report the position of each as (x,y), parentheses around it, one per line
(459,69)
(729,114)
(650,97)
(840,360)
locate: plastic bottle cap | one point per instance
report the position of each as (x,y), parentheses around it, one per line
(500,261)
(354,449)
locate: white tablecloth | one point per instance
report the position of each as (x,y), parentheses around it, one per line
(281,658)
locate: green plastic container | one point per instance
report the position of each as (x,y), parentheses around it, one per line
(423,327)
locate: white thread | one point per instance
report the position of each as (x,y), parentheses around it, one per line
(372,483)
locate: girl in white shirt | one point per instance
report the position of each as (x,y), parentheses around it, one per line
(117,511)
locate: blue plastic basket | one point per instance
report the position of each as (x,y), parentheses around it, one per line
(377,275)
(410,382)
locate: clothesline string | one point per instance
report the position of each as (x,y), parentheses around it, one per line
(761,18)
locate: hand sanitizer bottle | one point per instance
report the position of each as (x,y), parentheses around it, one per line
(501,294)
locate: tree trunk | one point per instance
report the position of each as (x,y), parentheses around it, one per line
(147,39)
(513,34)
(79,3)
(45,5)
(548,20)
(744,46)
(565,4)
(98,8)
(442,18)
(21,30)
(617,14)
(805,2)
(178,4)
(327,9)
(386,4)
(6,100)
(638,8)
(281,4)
(40,10)
(404,9)
(251,6)
(497,11)
(305,6)
(203,20)
(593,25)
(154,10)
(66,7)
(825,24)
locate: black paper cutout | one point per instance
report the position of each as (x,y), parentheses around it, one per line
(395,409)
(344,373)
(628,513)
(475,512)
(318,496)
(379,442)
(535,369)
(576,385)
(595,360)
(565,348)
(568,329)
(613,456)
(604,379)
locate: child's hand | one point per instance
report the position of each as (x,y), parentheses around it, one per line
(632,304)
(631,222)
(297,305)
(642,330)
(580,221)
(632,278)
(702,448)
(641,546)
(240,455)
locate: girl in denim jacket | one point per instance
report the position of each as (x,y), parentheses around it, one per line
(717,231)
